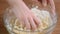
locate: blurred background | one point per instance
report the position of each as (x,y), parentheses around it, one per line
(3,6)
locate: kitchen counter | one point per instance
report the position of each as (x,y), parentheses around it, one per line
(3,5)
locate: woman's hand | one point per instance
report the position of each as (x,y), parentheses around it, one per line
(46,2)
(25,15)
(51,2)
(27,18)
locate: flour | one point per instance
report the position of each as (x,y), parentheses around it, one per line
(43,15)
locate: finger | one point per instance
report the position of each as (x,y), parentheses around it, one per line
(33,25)
(27,24)
(44,2)
(51,2)
(37,21)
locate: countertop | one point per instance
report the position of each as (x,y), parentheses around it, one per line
(3,5)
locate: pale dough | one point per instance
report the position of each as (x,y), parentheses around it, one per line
(44,17)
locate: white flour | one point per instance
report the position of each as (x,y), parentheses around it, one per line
(43,15)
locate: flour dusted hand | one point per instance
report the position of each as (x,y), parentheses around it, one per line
(25,15)
(29,20)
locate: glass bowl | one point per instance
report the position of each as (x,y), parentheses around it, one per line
(10,20)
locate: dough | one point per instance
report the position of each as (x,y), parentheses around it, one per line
(43,15)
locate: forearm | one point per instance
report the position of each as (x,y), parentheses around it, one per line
(13,2)
(19,4)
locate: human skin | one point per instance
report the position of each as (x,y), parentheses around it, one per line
(25,15)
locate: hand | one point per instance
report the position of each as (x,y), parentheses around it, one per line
(51,2)
(46,2)
(25,15)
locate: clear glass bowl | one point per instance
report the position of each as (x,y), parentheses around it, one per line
(10,19)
